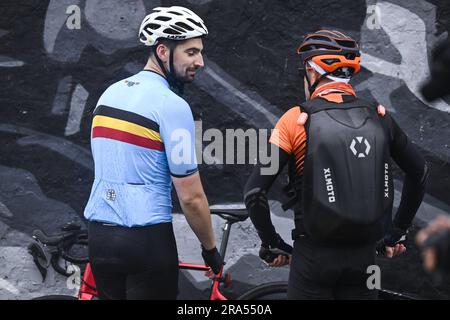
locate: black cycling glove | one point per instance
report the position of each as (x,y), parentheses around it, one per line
(391,239)
(270,251)
(212,259)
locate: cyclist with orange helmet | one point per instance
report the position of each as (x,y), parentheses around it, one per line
(339,150)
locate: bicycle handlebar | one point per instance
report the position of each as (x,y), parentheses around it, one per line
(45,239)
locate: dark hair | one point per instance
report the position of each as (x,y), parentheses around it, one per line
(171,44)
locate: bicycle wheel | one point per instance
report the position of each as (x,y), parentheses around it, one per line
(385,294)
(56,297)
(268,291)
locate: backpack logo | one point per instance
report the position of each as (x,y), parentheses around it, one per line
(386,180)
(329,185)
(359,140)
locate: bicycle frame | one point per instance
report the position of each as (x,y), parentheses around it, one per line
(88,289)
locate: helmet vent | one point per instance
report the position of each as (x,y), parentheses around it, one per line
(175,13)
(196,23)
(162,18)
(317,46)
(346,43)
(320,38)
(185,26)
(172,31)
(152,26)
(330,61)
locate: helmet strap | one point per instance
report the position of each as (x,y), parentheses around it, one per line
(174,83)
(313,87)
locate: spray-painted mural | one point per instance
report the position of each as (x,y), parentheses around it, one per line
(58,56)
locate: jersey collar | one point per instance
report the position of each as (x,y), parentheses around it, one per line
(333,91)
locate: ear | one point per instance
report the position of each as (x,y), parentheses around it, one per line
(312,74)
(163,52)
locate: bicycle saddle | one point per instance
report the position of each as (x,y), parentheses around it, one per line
(230,211)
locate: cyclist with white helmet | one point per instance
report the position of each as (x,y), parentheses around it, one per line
(143,140)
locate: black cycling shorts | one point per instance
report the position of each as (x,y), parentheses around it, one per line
(134,263)
(330,273)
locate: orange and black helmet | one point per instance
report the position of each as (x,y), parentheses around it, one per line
(333,51)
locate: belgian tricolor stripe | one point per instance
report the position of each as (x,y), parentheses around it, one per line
(126,127)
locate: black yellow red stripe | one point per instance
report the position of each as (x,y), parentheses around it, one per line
(126,127)
(102,132)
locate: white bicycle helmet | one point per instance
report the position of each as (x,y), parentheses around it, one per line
(174,23)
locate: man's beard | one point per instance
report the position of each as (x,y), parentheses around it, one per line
(185,78)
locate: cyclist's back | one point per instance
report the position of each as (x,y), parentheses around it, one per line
(131,145)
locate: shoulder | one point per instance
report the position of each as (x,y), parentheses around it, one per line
(175,102)
(290,117)
(120,91)
(175,108)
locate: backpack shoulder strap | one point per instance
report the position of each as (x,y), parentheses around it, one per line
(321,104)
(315,105)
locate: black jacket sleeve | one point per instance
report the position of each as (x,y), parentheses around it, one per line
(407,156)
(255,198)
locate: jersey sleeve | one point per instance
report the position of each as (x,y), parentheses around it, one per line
(282,135)
(178,134)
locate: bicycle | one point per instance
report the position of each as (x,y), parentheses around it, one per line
(49,250)
(231,213)
(61,244)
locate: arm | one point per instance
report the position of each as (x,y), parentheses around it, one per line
(409,159)
(255,198)
(195,207)
(273,249)
(178,133)
(260,181)
(413,164)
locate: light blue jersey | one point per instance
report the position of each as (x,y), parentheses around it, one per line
(142,134)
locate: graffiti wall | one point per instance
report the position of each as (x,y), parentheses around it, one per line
(58,56)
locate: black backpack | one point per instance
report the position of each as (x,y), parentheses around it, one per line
(347,185)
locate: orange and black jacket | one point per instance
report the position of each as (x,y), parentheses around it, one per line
(290,139)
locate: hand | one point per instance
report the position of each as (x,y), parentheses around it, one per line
(433,240)
(281,261)
(393,244)
(302,119)
(439,224)
(213,259)
(277,253)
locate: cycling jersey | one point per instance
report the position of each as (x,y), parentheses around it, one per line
(142,134)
